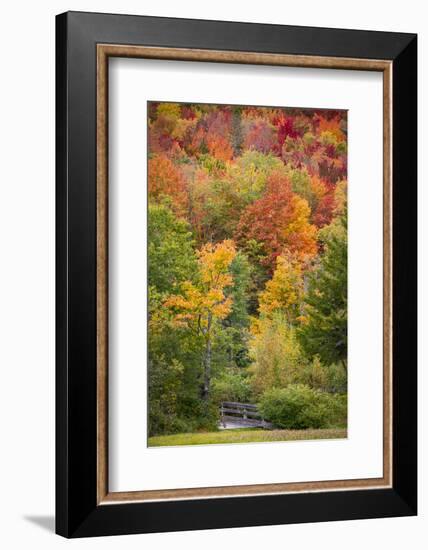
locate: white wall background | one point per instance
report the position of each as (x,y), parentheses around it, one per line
(27,273)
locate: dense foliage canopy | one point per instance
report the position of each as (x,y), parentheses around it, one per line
(247,262)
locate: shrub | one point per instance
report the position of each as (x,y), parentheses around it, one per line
(231,385)
(181,425)
(299,407)
(337,378)
(332,378)
(338,410)
(314,374)
(164,424)
(275,352)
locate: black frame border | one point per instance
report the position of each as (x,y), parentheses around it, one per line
(77,512)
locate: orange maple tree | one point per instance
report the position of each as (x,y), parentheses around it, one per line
(165,179)
(280,221)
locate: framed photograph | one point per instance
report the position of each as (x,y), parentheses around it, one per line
(236,274)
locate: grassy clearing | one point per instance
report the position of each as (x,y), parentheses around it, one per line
(245,435)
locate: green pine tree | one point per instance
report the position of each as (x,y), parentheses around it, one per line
(237,137)
(325,332)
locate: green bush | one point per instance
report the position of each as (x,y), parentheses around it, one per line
(330,378)
(337,378)
(231,385)
(163,424)
(338,410)
(299,407)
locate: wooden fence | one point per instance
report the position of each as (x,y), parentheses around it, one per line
(241,414)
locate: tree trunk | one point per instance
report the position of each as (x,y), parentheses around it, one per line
(207,360)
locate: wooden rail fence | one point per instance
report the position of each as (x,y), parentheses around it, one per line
(241,414)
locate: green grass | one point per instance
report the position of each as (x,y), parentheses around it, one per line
(245,435)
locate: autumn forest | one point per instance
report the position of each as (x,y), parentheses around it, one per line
(247,271)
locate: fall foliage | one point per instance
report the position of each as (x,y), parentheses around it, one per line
(279,220)
(247,260)
(201,306)
(284,292)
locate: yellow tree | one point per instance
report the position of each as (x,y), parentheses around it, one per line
(284,292)
(200,306)
(275,353)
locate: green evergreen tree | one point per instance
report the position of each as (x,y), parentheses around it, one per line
(325,331)
(240,269)
(235,337)
(237,137)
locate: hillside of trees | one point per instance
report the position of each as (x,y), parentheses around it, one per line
(247,256)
